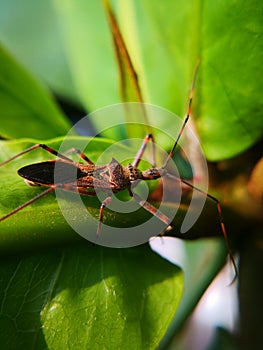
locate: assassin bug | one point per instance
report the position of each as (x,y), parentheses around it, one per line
(110,178)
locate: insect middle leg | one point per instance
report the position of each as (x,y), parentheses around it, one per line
(80,153)
(104,204)
(49,150)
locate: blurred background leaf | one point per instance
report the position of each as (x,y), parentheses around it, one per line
(26,106)
(31,32)
(227,38)
(76,39)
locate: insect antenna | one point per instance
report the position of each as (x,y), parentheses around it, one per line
(218,206)
(186,118)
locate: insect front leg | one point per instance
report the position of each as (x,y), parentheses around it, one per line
(137,159)
(104,204)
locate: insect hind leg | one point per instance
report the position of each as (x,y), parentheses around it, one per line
(24,205)
(52,151)
(220,217)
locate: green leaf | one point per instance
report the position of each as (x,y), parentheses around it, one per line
(230,119)
(227,39)
(90,53)
(27,109)
(88,297)
(31,32)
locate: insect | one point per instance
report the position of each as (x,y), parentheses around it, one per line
(109,178)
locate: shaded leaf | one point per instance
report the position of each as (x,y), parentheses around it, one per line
(26,107)
(31,32)
(88,297)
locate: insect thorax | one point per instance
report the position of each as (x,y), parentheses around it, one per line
(122,176)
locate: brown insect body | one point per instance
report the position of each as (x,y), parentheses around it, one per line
(77,176)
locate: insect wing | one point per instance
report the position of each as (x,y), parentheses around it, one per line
(51,172)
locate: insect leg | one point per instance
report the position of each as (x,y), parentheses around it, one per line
(81,154)
(73,188)
(66,187)
(137,159)
(151,209)
(32,148)
(221,220)
(102,208)
(32,200)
